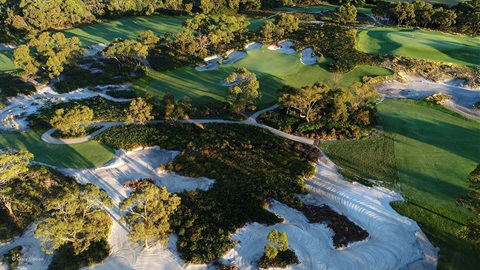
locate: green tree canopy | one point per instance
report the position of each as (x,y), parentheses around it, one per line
(126,52)
(13,165)
(73,121)
(139,111)
(76,217)
(345,14)
(49,53)
(283,25)
(245,89)
(278,242)
(149,208)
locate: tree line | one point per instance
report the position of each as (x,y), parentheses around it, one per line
(463,17)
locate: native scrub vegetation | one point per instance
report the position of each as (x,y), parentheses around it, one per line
(277,252)
(244,91)
(241,159)
(148,212)
(73,121)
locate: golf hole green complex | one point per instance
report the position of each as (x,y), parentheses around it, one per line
(422,44)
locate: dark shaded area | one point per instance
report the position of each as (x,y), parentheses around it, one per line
(283,259)
(65,257)
(346,231)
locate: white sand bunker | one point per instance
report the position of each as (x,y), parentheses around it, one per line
(127,166)
(253,46)
(211,63)
(94,49)
(308,58)
(285,47)
(234,56)
(395,241)
(33,255)
(13,116)
(462,101)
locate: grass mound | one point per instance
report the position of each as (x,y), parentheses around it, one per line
(430,45)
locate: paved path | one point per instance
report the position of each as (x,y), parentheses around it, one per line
(252,120)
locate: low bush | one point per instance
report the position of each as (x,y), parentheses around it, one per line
(12,258)
(11,86)
(105,73)
(103,110)
(88,130)
(438,98)
(122,94)
(249,165)
(282,260)
(65,257)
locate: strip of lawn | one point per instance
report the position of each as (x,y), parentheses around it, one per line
(82,155)
(434,152)
(422,44)
(273,69)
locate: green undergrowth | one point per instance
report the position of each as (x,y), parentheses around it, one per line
(249,165)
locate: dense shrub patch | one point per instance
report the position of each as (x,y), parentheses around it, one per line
(103,110)
(105,73)
(11,86)
(249,164)
(345,230)
(12,258)
(65,257)
(282,260)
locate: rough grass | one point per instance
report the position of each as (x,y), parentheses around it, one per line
(371,158)
(273,69)
(6,63)
(430,45)
(326,7)
(83,155)
(434,152)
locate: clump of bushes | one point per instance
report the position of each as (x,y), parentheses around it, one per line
(438,98)
(106,72)
(277,252)
(122,94)
(65,257)
(12,258)
(11,86)
(476,105)
(250,166)
(103,110)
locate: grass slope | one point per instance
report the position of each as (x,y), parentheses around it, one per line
(6,63)
(83,155)
(126,28)
(434,152)
(326,7)
(273,69)
(431,45)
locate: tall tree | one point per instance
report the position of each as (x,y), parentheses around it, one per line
(13,164)
(283,25)
(148,38)
(73,121)
(444,18)
(345,14)
(126,52)
(304,100)
(77,217)
(139,111)
(278,242)
(245,89)
(149,208)
(405,13)
(50,53)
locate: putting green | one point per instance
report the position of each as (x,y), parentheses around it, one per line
(82,155)
(431,45)
(273,69)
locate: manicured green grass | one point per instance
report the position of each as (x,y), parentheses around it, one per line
(83,155)
(356,74)
(6,63)
(273,69)
(434,152)
(431,45)
(326,7)
(126,28)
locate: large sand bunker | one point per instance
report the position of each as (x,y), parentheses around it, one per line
(395,241)
(285,47)
(308,58)
(211,63)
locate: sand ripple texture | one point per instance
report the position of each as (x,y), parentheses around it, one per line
(395,242)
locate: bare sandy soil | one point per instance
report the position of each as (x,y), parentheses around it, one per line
(419,88)
(395,241)
(21,106)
